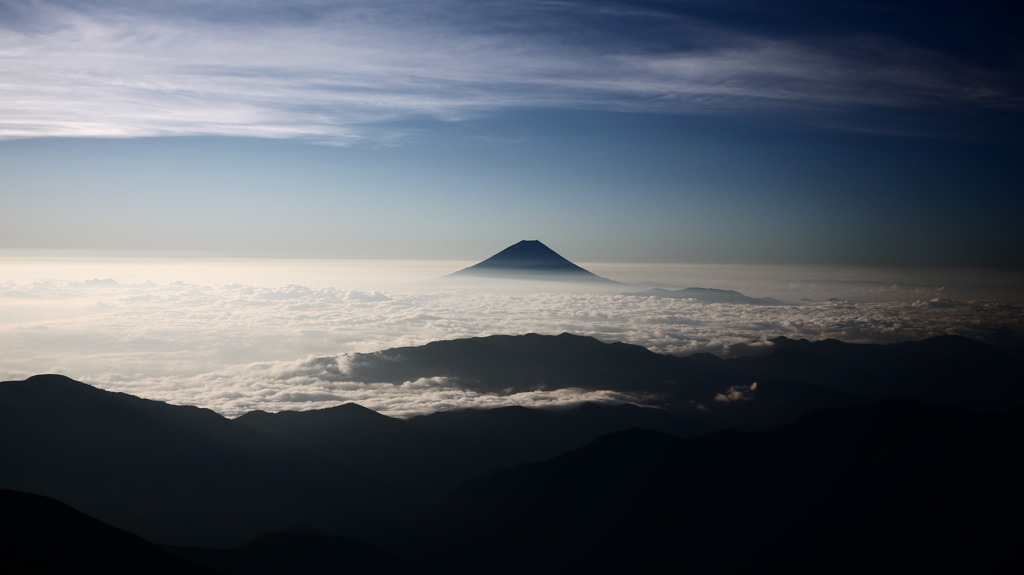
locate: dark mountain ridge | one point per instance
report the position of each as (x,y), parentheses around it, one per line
(42,535)
(707,295)
(943,369)
(173,474)
(299,552)
(188,476)
(894,486)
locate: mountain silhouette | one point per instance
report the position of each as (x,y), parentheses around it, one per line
(414,459)
(489,439)
(897,486)
(181,475)
(42,535)
(429,454)
(707,295)
(173,474)
(792,376)
(840,490)
(299,552)
(529,260)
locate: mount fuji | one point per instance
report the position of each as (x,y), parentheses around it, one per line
(529,260)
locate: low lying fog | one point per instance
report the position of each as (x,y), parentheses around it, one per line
(238,335)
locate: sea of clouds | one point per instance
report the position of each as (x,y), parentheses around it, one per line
(237,347)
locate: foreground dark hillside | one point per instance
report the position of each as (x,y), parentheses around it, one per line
(188,476)
(871,473)
(42,535)
(172,474)
(898,486)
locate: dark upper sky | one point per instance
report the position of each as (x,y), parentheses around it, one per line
(807,132)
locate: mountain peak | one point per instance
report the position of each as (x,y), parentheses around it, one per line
(529,260)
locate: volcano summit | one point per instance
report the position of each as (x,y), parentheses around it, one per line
(529,260)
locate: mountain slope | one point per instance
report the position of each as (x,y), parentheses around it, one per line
(893,486)
(792,377)
(171,474)
(707,295)
(504,363)
(529,260)
(187,476)
(301,553)
(430,454)
(43,535)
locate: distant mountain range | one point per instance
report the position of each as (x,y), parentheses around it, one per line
(709,392)
(707,295)
(529,260)
(839,471)
(531,264)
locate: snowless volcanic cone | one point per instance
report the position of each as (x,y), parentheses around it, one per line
(529,260)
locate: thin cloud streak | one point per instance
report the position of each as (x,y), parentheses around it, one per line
(329,71)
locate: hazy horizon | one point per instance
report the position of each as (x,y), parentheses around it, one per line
(236,335)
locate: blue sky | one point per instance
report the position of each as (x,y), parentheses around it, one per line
(879,133)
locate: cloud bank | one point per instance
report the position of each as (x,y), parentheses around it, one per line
(340,72)
(236,347)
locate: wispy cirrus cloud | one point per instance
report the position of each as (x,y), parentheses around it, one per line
(331,71)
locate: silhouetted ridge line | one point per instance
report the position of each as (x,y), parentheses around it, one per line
(707,295)
(530,260)
(897,486)
(792,376)
(42,535)
(188,476)
(172,474)
(299,552)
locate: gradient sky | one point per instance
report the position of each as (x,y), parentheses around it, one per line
(884,133)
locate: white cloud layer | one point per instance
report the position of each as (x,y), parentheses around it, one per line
(239,347)
(326,71)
